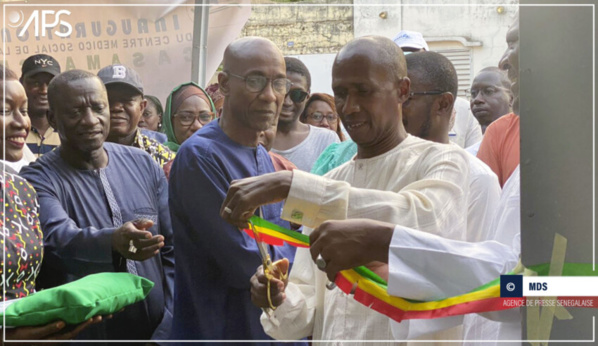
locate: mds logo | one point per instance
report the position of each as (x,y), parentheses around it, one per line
(42,20)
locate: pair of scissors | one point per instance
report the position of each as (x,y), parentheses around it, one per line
(269,268)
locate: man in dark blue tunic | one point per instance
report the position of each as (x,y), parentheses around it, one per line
(103,208)
(212,291)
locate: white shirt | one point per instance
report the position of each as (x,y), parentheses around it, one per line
(467,130)
(415,273)
(507,223)
(484,196)
(473,150)
(418,184)
(305,154)
(28,157)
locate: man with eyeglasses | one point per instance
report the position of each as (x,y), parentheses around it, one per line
(426,114)
(216,259)
(395,177)
(298,142)
(125,95)
(490,96)
(465,130)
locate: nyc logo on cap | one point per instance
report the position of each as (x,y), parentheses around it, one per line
(44,62)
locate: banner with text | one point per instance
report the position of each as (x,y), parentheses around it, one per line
(156,41)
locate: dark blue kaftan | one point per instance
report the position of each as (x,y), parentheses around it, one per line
(77,225)
(214,259)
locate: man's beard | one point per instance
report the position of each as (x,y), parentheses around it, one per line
(424,130)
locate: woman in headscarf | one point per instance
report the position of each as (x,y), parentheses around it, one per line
(216,95)
(188,109)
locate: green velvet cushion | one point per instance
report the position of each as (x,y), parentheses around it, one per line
(77,301)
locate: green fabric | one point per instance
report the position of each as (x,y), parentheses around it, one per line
(333,156)
(77,301)
(167,128)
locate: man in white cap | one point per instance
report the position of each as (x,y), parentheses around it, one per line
(466,130)
(411,41)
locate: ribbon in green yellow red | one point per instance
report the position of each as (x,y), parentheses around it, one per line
(276,235)
(371,290)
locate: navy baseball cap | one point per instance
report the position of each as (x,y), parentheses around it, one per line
(121,74)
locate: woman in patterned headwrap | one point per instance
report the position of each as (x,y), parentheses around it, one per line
(23,238)
(216,95)
(188,108)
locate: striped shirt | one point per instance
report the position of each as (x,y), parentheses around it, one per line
(41,145)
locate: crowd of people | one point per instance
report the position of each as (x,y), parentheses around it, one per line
(393,171)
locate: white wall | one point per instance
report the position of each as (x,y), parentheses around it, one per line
(320,69)
(437,19)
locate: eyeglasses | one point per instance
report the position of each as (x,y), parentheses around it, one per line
(317,116)
(256,84)
(297,95)
(433,92)
(424,93)
(486,92)
(188,118)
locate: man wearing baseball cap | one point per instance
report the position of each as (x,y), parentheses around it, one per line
(411,41)
(125,95)
(36,73)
